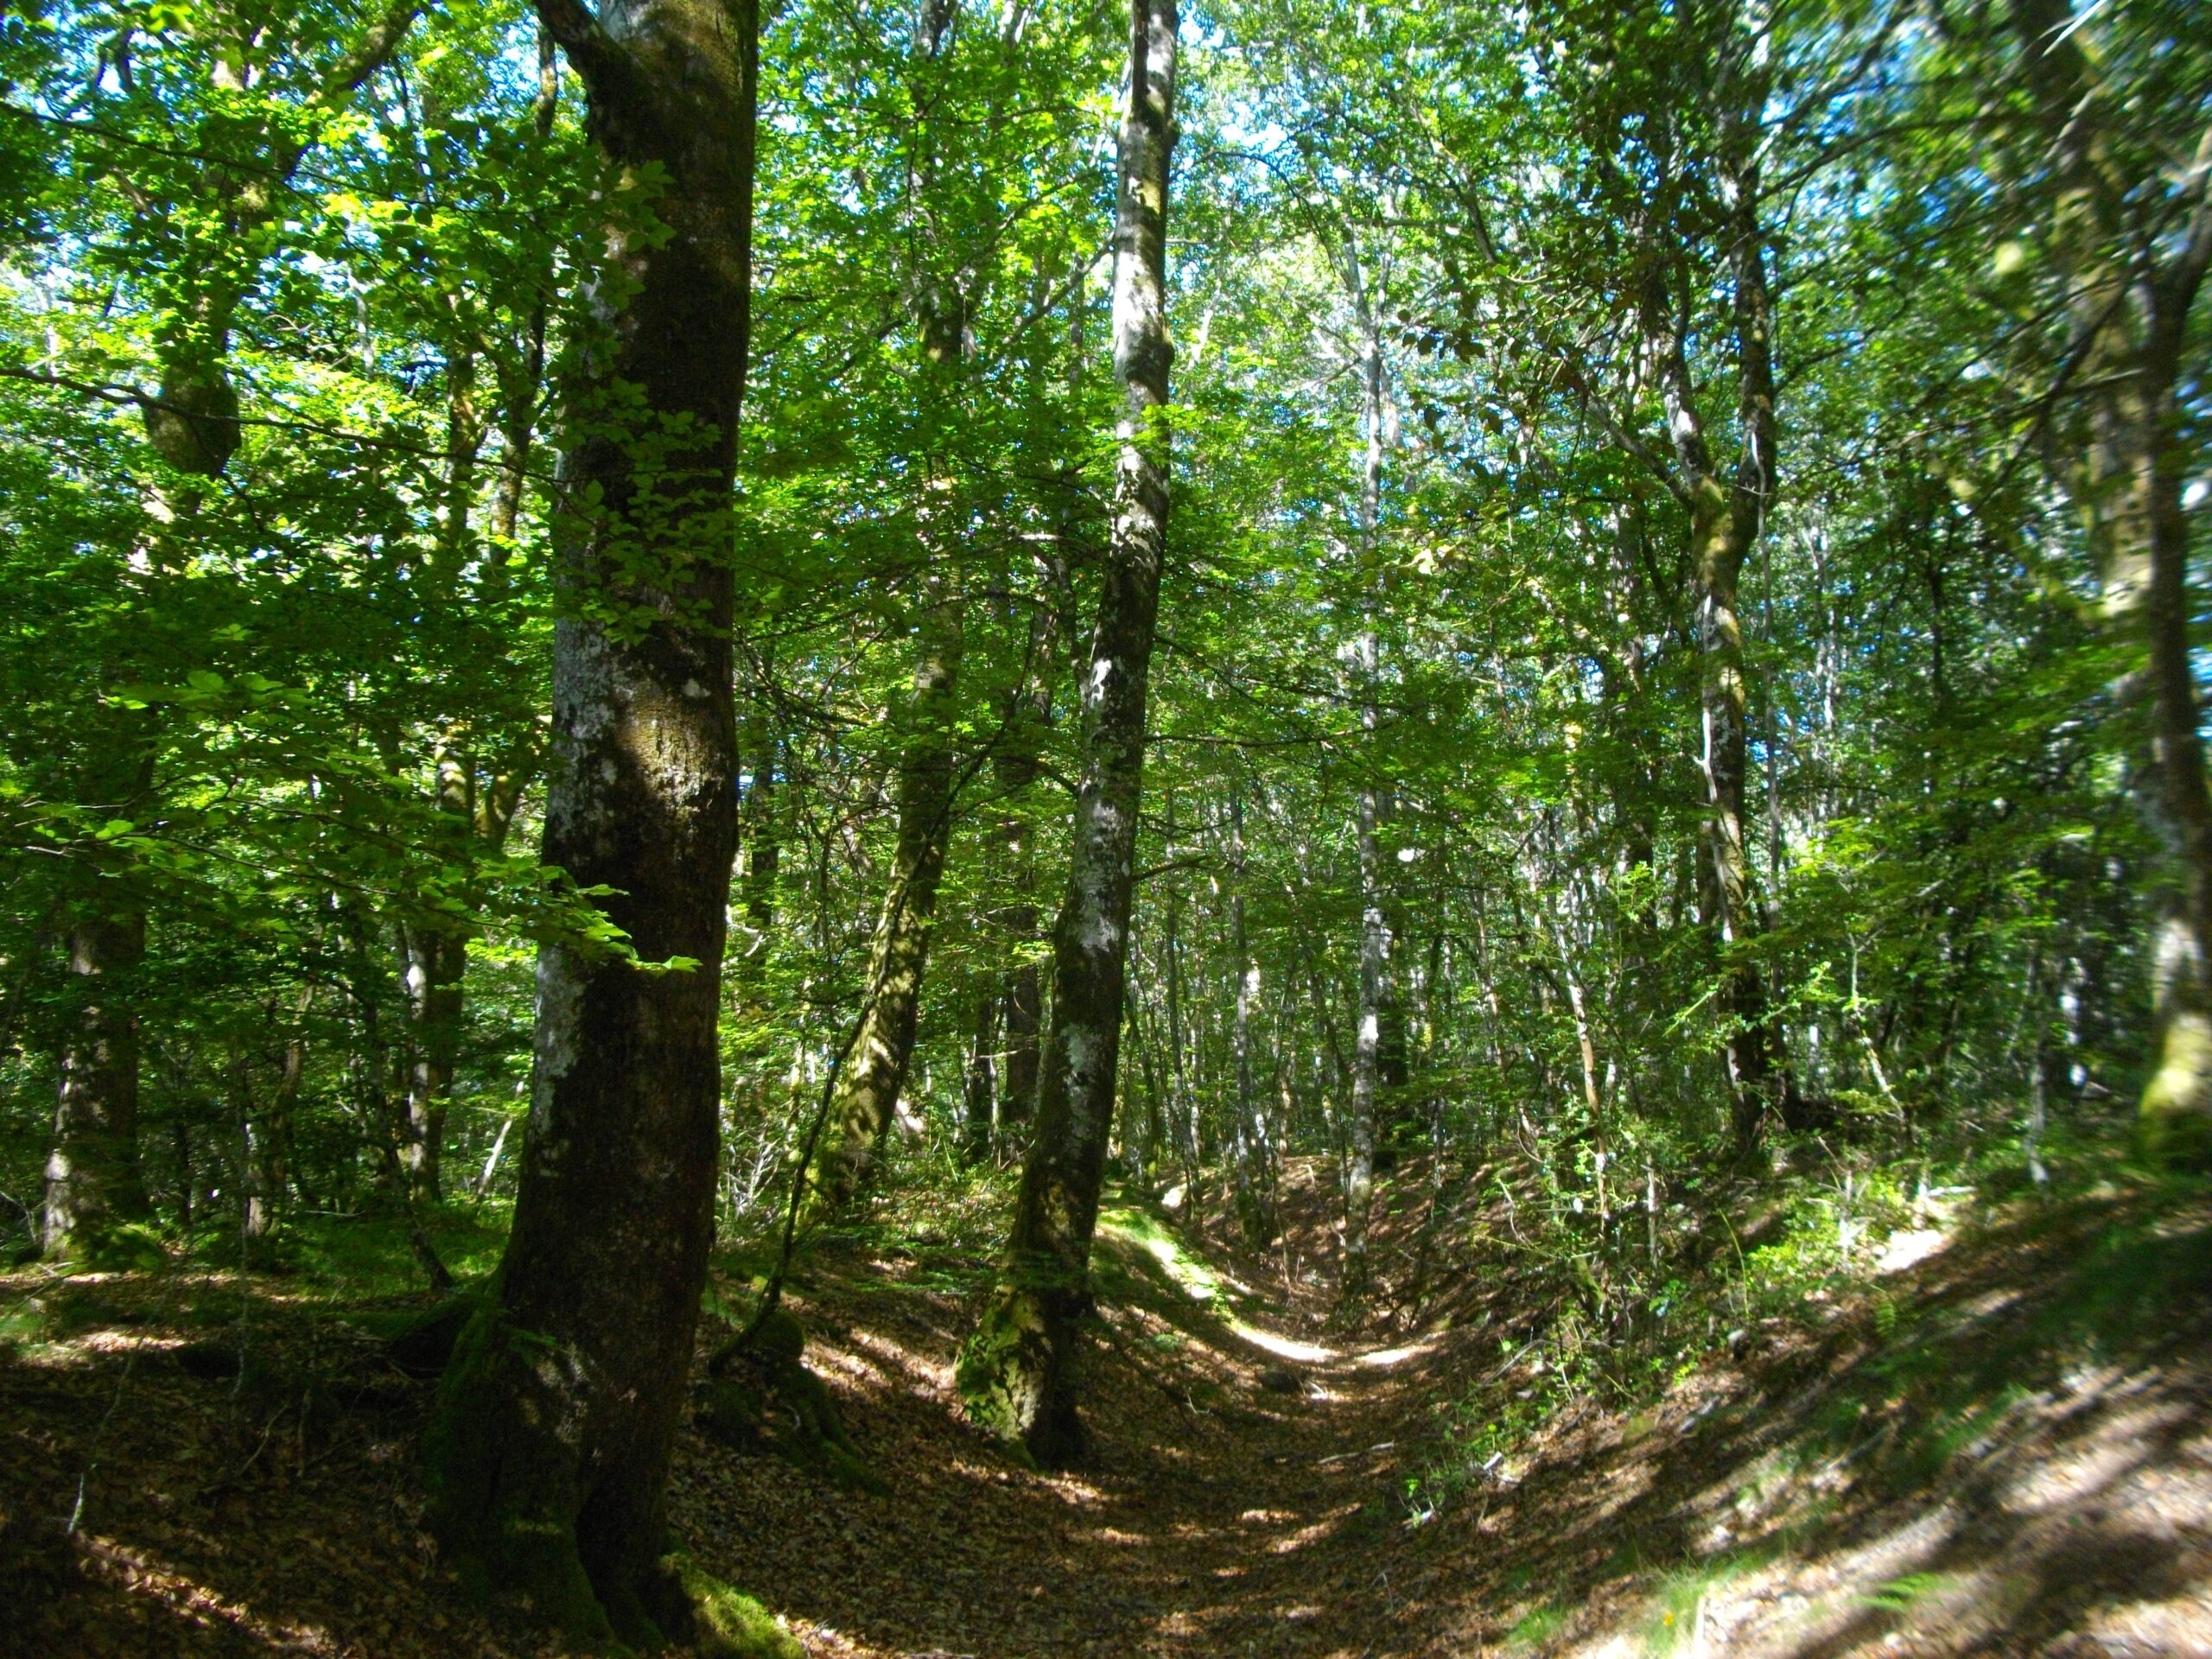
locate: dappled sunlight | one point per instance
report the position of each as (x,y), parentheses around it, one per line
(1383,1359)
(1305,1353)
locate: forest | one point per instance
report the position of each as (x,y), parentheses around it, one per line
(965,829)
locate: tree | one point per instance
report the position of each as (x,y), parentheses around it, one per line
(265,112)
(2123,204)
(1018,1371)
(549,1453)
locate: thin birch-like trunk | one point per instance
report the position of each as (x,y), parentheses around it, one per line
(1018,1371)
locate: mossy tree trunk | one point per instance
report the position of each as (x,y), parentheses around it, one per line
(1018,1371)
(1726,507)
(93,1177)
(549,1453)
(2132,253)
(867,1088)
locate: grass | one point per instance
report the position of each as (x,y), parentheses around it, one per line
(1536,1626)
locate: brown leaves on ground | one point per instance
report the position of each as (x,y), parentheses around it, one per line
(1847,1483)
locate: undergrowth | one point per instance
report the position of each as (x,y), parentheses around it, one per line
(1633,1312)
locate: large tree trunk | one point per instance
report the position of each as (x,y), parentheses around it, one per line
(1018,1371)
(2133,258)
(93,1178)
(549,1455)
(2174,1118)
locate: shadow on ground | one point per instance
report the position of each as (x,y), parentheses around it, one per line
(2006,1451)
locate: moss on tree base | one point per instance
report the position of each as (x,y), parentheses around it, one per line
(2173,1126)
(510,1538)
(768,1400)
(1005,1376)
(503,1503)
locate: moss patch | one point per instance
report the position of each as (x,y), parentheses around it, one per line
(768,1400)
(728,1623)
(1001,1367)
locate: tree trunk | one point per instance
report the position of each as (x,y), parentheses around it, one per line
(981,1087)
(93,1178)
(1750,1046)
(1018,1371)
(2175,1118)
(2133,258)
(1375,978)
(868,1087)
(1367,1039)
(1727,514)
(1182,1104)
(1027,715)
(1255,1182)
(549,1455)
(192,422)
(432,966)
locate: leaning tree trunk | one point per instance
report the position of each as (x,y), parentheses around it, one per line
(867,1088)
(548,1453)
(1017,1372)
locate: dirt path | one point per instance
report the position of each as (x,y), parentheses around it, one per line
(1236,1502)
(2007,1451)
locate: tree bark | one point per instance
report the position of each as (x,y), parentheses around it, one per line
(1016,766)
(867,1088)
(93,1178)
(1727,514)
(2134,260)
(1374,976)
(432,966)
(1018,1371)
(980,1094)
(1255,1171)
(92,1172)
(550,1451)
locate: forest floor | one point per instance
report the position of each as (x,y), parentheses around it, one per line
(2000,1443)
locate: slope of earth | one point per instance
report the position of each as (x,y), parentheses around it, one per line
(2004,1449)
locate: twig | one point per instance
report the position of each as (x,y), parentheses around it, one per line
(92,1459)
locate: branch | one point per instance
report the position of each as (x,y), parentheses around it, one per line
(2178,284)
(370,53)
(609,76)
